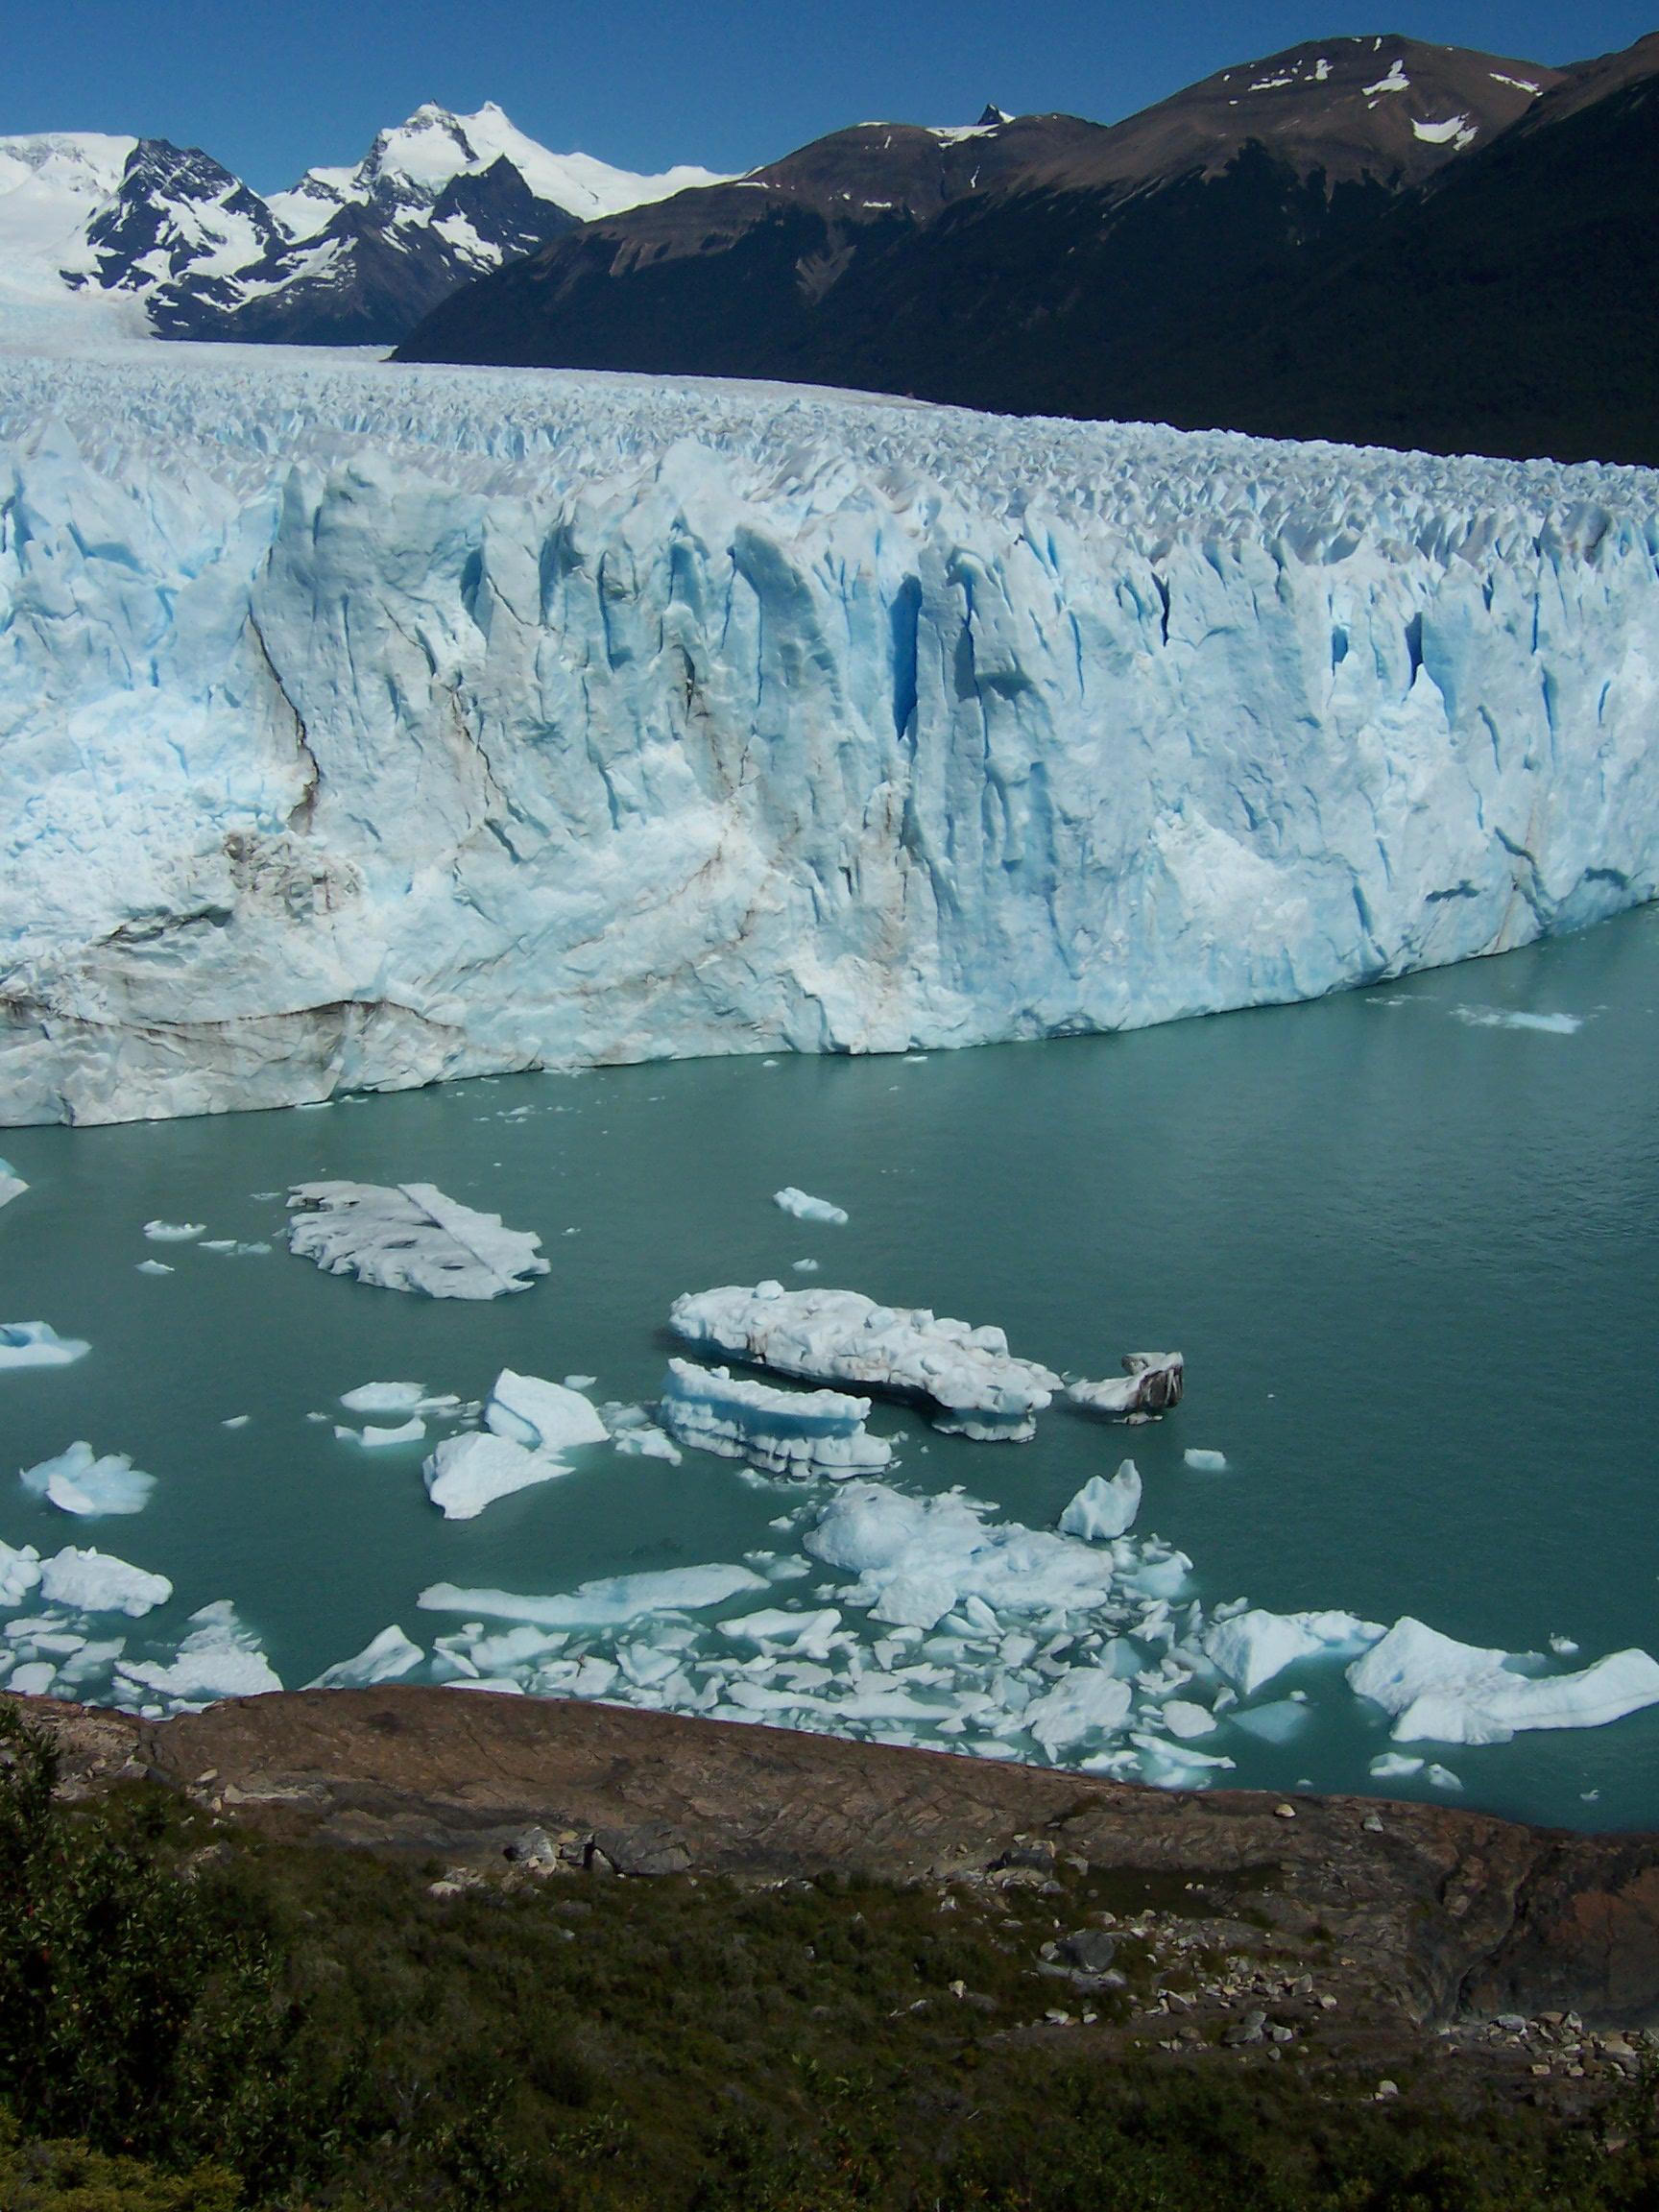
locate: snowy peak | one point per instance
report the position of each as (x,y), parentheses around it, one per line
(51,186)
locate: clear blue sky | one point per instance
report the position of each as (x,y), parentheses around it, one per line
(271,85)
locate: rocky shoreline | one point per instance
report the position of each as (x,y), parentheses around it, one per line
(1245,1922)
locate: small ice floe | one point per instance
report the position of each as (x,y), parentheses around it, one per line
(1184,1720)
(236,1421)
(633,1433)
(38,1344)
(580,1381)
(1204,1462)
(1153,1383)
(1105,1508)
(377,1434)
(19,1572)
(1394,1766)
(11,1184)
(803,1635)
(916,1559)
(79,1481)
(174,1232)
(406,1397)
(1249,1647)
(612,1599)
(1085,1701)
(468,1473)
(807,1208)
(1563,1647)
(801,1433)
(1500,1018)
(218,1658)
(94,1581)
(542,1416)
(387,1658)
(976,1386)
(1279,1723)
(155,1267)
(1441,1778)
(1443,1691)
(410,1236)
(219,1244)
(806,1266)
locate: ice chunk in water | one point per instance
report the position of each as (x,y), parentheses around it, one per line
(93,1581)
(1444,1692)
(1105,1508)
(384,1398)
(19,1572)
(11,1184)
(1153,1383)
(781,1431)
(37,1344)
(372,1438)
(968,1374)
(387,1659)
(79,1481)
(806,1634)
(1394,1766)
(613,1599)
(542,1416)
(809,1209)
(1183,1718)
(1251,1647)
(410,1236)
(468,1473)
(1085,1701)
(175,1232)
(1206,1462)
(155,1267)
(33,1679)
(218,1658)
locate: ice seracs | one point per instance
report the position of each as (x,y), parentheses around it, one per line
(359,594)
(410,1236)
(1440,1691)
(79,1481)
(780,1431)
(975,1384)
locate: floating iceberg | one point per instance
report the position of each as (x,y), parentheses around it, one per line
(468,1473)
(809,1208)
(78,1482)
(1443,1691)
(1204,1462)
(1250,1647)
(1086,1701)
(780,1431)
(968,1375)
(11,1184)
(384,1398)
(38,1344)
(1153,1383)
(1105,1508)
(542,1416)
(410,1236)
(915,1559)
(613,1599)
(218,1658)
(94,1583)
(360,596)
(19,1572)
(378,1435)
(387,1658)
(1498,1017)
(174,1232)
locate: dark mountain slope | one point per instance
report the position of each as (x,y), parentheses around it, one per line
(1511,309)
(991,266)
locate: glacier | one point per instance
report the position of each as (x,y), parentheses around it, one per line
(363,726)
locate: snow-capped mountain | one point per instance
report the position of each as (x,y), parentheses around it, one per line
(347,255)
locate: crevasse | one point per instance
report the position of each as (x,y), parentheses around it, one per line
(364,726)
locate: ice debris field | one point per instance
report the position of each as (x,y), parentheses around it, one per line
(878,1612)
(363,725)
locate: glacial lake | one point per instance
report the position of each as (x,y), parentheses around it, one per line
(1405,1237)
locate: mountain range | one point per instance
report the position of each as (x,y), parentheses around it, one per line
(347,256)
(1369,239)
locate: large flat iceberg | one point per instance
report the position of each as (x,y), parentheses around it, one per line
(38,1344)
(780,1431)
(976,1386)
(1443,1691)
(410,1236)
(367,725)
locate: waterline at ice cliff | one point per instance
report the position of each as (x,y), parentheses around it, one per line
(364,726)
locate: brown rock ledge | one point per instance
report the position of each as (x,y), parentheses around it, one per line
(1420,1912)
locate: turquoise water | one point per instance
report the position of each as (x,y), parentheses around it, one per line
(1410,1258)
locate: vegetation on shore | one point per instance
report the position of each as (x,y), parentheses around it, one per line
(194,2020)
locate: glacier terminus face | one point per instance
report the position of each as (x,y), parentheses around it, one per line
(362,726)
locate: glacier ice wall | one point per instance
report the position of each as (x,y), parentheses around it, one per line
(361,725)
